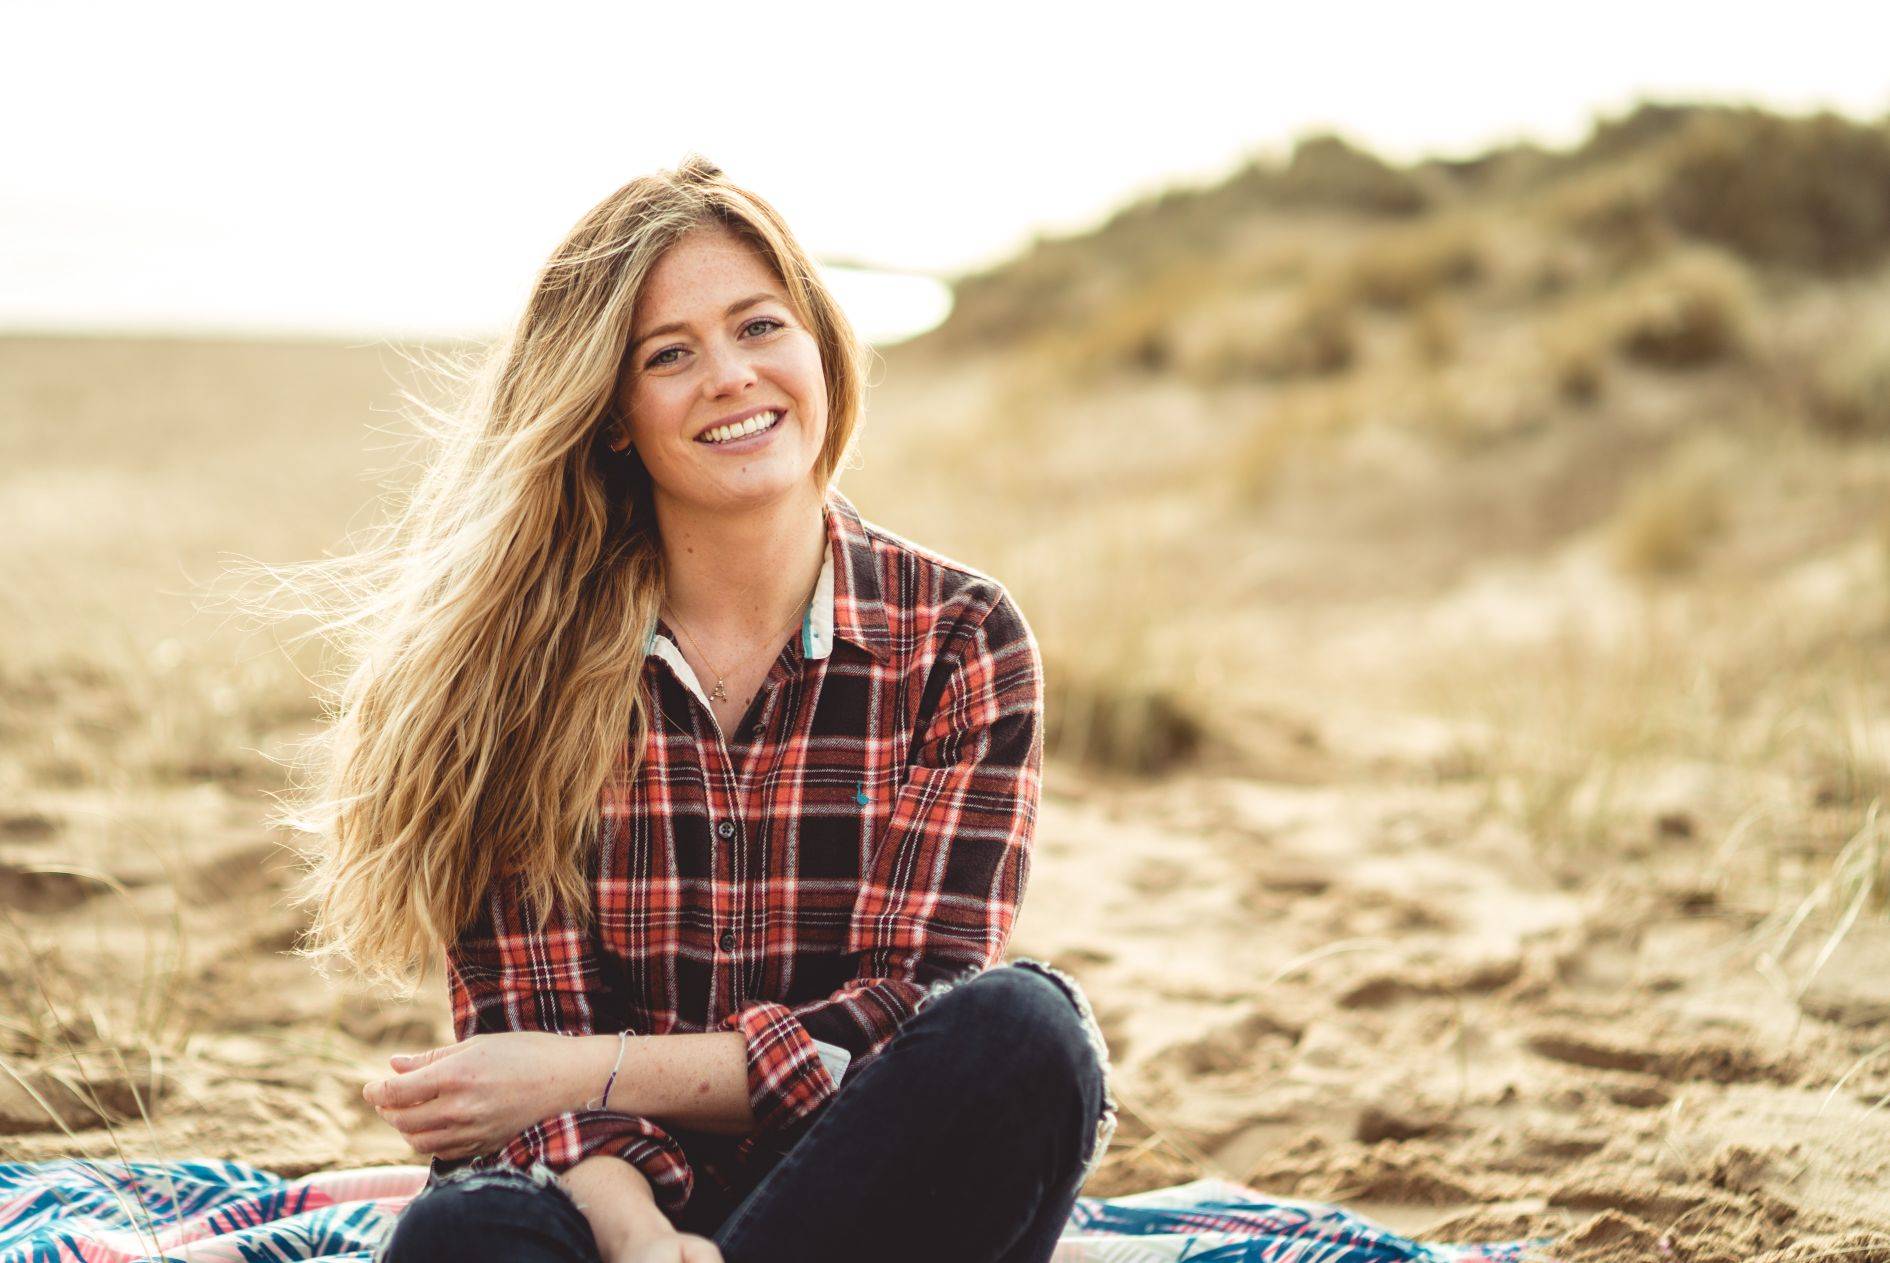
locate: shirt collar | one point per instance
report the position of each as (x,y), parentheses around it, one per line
(858,607)
(848,601)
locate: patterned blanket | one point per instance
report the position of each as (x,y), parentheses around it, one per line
(227,1212)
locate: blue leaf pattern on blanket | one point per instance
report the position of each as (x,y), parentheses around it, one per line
(229,1212)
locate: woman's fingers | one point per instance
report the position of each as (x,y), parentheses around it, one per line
(699,1250)
(439,1143)
(410,1088)
(413,1061)
(425,1117)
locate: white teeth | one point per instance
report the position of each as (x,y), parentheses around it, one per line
(760,421)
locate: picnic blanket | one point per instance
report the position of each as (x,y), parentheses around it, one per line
(228,1212)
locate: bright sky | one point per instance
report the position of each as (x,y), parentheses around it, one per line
(403,167)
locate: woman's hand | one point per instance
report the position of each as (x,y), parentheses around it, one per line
(681,1247)
(617,1200)
(472,1097)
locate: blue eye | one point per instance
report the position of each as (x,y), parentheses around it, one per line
(657,360)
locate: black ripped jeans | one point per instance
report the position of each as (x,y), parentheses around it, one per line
(964,1141)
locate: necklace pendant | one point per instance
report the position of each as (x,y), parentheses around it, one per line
(718,693)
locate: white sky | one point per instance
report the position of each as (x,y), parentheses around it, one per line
(372,169)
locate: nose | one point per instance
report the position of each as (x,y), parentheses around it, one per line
(728,370)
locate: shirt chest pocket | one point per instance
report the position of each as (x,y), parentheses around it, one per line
(837,833)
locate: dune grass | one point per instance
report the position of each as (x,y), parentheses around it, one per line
(1308,436)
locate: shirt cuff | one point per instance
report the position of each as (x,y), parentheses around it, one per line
(563,1141)
(789,1079)
(835,1058)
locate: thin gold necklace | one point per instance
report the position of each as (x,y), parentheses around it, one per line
(718,693)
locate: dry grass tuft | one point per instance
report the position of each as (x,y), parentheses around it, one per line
(1117,721)
(1846,388)
(1696,307)
(1293,422)
(1327,171)
(1811,193)
(1436,332)
(1117,695)
(179,712)
(1671,514)
(1399,270)
(76,1065)
(1318,338)
(1308,332)
(1613,211)
(1843,750)
(1473,404)
(1135,330)
(1575,353)
(1857,881)
(54,1004)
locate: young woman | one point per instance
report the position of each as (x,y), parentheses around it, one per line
(717,799)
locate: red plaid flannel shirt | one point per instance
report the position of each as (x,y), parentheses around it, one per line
(868,836)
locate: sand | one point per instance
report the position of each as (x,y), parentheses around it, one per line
(1353,990)
(1501,894)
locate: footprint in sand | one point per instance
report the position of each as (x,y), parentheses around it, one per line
(97,1090)
(249,869)
(1112,1020)
(1384,988)
(1238,1045)
(1158,877)
(1076,959)
(1716,1061)
(1279,884)
(47,889)
(402,1027)
(27,826)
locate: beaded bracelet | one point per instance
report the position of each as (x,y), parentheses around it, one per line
(598,1104)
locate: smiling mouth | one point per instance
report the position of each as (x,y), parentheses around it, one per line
(760,423)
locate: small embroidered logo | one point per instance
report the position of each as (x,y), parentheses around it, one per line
(860,795)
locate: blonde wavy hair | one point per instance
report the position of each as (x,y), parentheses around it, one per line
(492,638)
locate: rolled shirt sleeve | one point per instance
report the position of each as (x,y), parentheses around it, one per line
(504,976)
(946,877)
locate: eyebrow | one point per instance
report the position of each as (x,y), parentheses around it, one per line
(678,326)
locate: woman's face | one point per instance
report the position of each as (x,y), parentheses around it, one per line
(714,341)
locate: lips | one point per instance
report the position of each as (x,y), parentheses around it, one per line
(768,420)
(736,418)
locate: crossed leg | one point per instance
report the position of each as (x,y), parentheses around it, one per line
(964,1141)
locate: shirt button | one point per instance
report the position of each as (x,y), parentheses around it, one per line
(727,940)
(725,829)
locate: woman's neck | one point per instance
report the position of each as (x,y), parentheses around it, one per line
(733,577)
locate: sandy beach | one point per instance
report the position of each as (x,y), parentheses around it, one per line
(1469,763)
